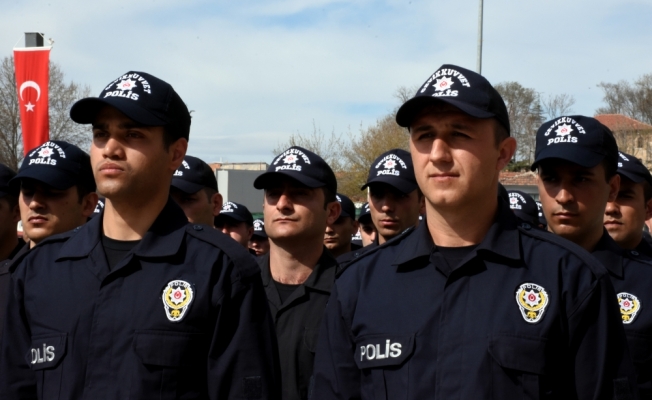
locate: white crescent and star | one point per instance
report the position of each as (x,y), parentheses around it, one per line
(31,84)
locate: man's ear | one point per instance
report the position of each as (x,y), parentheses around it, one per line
(506,150)
(177,151)
(15,214)
(334,209)
(217,201)
(89,202)
(614,187)
(250,232)
(648,209)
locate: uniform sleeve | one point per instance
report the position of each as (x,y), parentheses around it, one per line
(243,360)
(603,366)
(17,381)
(336,376)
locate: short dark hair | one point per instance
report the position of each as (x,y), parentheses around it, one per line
(647,191)
(11,200)
(209,193)
(83,191)
(329,196)
(500,132)
(610,165)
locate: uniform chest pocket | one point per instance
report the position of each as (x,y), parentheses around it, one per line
(519,367)
(170,364)
(383,360)
(44,358)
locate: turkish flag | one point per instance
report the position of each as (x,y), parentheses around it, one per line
(32,66)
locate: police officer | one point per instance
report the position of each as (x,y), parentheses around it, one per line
(298,272)
(367,228)
(576,159)
(138,303)
(194,188)
(236,221)
(471,304)
(339,235)
(523,206)
(624,218)
(259,242)
(57,190)
(395,201)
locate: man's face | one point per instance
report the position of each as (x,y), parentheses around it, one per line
(9,217)
(293,211)
(46,211)
(200,207)
(367,232)
(456,159)
(625,217)
(392,211)
(130,161)
(337,237)
(259,245)
(574,198)
(239,231)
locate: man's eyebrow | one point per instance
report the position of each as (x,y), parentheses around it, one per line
(122,125)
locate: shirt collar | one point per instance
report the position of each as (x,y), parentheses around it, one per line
(321,278)
(162,239)
(502,239)
(609,254)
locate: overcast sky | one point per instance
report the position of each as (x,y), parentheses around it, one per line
(255,72)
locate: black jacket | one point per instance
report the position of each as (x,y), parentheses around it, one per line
(182,316)
(297,323)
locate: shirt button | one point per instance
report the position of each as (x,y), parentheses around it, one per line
(198,227)
(527,227)
(634,252)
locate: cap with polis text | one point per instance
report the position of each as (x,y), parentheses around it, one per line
(461,88)
(365,214)
(523,206)
(58,164)
(633,169)
(6,175)
(233,211)
(303,166)
(259,228)
(395,169)
(348,208)
(581,140)
(193,175)
(542,218)
(99,207)
(143,98)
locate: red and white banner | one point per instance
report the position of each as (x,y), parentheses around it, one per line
(32,78)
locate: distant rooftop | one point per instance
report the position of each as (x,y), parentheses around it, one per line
(528,178)
(619,122)
(248,166)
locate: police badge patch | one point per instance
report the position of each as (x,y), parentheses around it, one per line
(629,305)
(177,297)
(532,300)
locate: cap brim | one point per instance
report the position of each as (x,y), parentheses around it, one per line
(526,217)
(48,175)
(631,176)
(85,110)
(185,186)
(569,152)
(402,185)
(263,181)
(411,108)
(260,234)
(234,217)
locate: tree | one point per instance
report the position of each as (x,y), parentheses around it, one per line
(631,99)
(555,106)
(62,96)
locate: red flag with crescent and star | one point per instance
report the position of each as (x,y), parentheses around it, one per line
(32,78)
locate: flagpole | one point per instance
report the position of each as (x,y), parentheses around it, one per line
(480,12)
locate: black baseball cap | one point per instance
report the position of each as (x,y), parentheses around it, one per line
(259,228)
(6,175)
(542,217)
(633,169)
(365,213)
(523,206)
(234,211)
(395,169)
(348,208)
(576,138)
(461,88)
(193,175)
(101,201)
(143,98)
(301,165)
(58,164)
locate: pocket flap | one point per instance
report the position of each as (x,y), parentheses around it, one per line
(167,349)
(640,347)
(47,350)
(383,350)
(521,353)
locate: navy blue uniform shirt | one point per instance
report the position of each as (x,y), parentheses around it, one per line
(184,315)
(631,276)
(526,315)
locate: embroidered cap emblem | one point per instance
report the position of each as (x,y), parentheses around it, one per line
(532,300)
(177,297)
(630,305)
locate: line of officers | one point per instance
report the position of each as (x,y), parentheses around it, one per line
(457,289)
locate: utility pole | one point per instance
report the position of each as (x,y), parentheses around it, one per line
(479,68)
